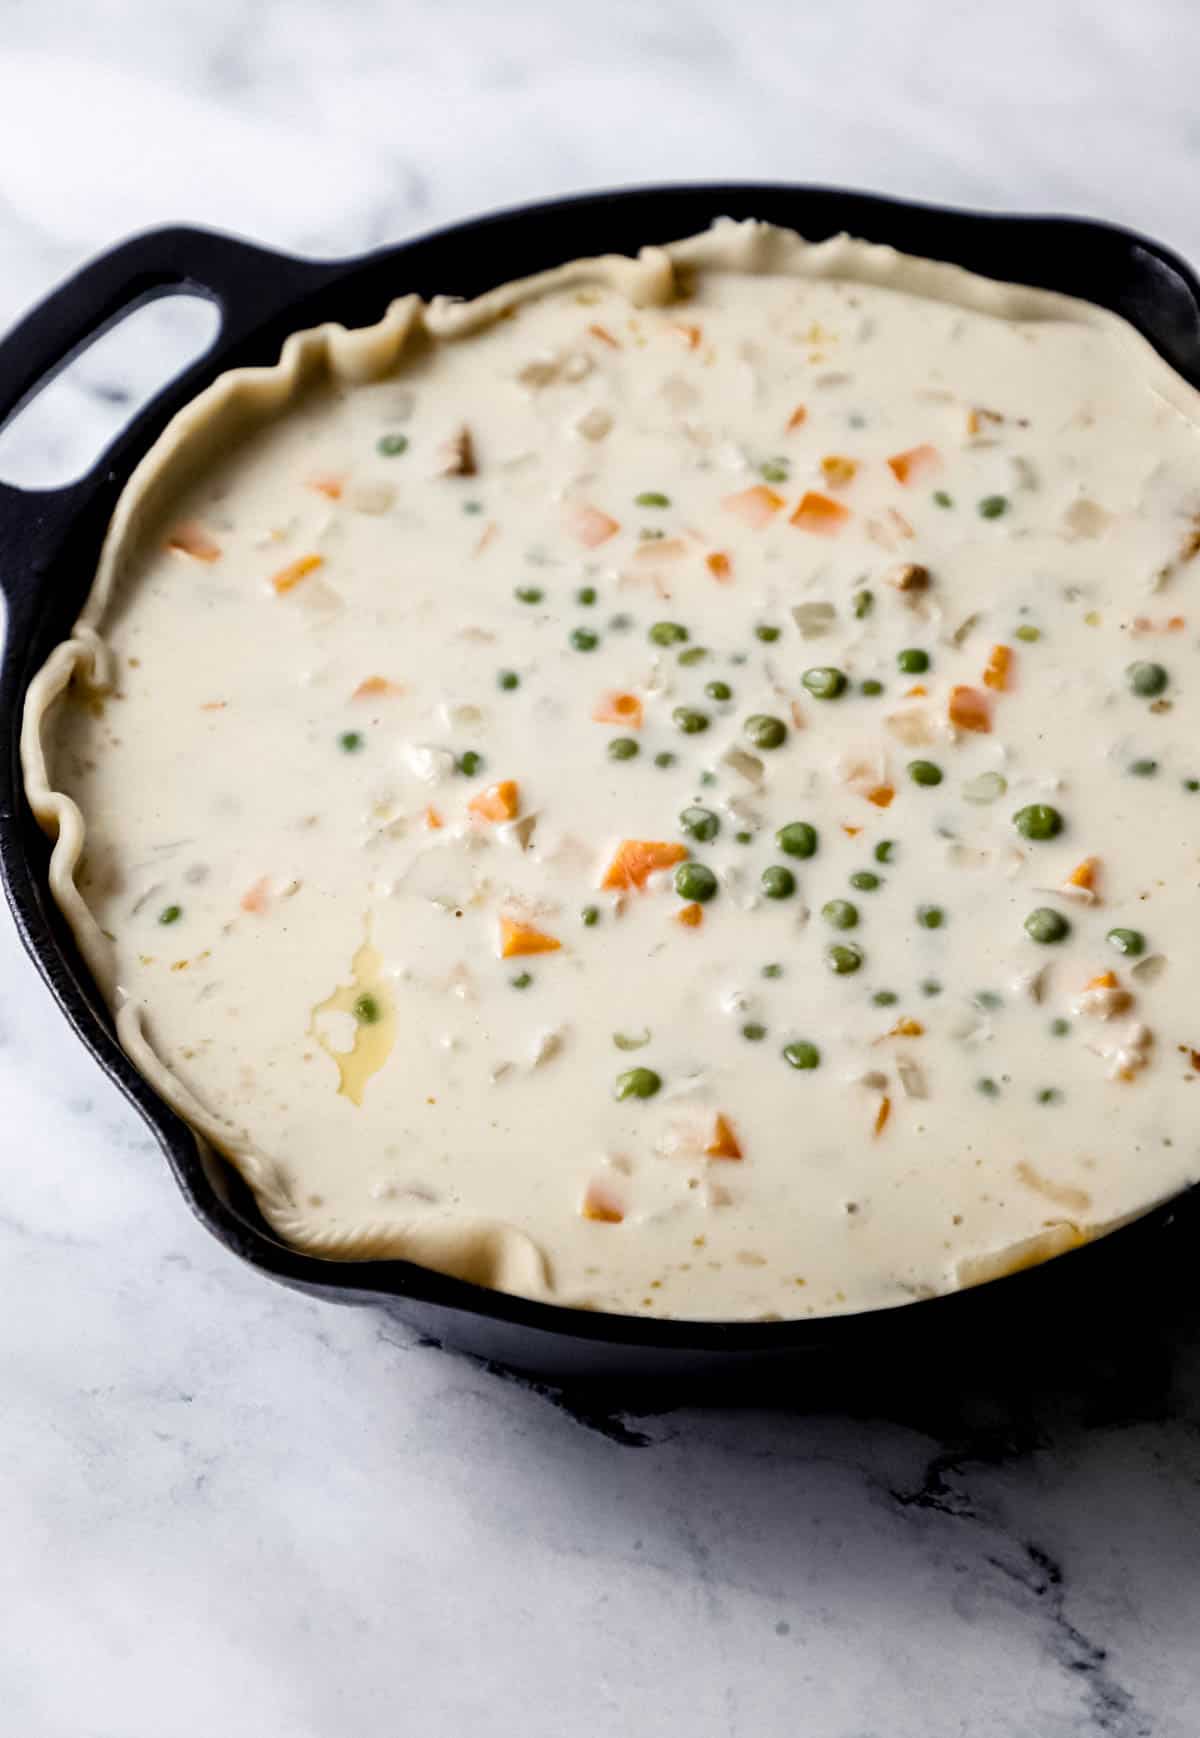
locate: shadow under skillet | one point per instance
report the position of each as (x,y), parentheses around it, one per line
(1132,1357)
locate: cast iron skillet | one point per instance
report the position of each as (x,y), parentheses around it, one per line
(49,543)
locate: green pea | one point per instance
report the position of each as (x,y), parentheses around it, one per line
(774,471)
(862,604)
(912,661)
(924,772)
(778,882)
(941,499)
(883,851)
(1038,821)
(841,913)
(930,916)
(637,1083)
(620,623)
(1045,925)
(1059,1027)
(993,506)
(391,445)
(651,498)
(802,1054)
(708,778)
(668,633)
(590,916)
(1146,680)
(718,690)
(695,881)
(754,1030)
(744,838)
(930,987)
(522,980)
(772,971)
(988,1087)
(1191,784)
(842,960)
(508,680)
(664,757)
(693,655)
(798,839)
(1143,768)
(470,763)
(700,824)
(885,998)
(170,914)
(529,594)
(824,682)
(584,639)
(586,595)
(366,1009)
(871,688)
(691,722)
(622,748)
(1129,942)
(864,880)
(350,741)
(1049,1095)
(765,632)
(989,999)
(765,731)
(1029,634)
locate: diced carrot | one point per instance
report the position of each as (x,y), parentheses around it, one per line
(907,1028)
(691,335)
(605,336)
(601,1205)
(969,709)
(1102,981)
(755,507)
(1084,874)
(522,938)
(818,513)
(797,419)
(432,819)
(691,916)
(881,796)
(882,1114)
(329,486)
(590,526)
(214,706)
(999,663)
(499,802)
(851,832)
(488,535)
(376,687)
(837,471)
(723,1143)
(255,898)
(917,689)
(719,565)
(289,577)
(192,539)
(636,860)
(1176,624)
(619,709)
(916,463)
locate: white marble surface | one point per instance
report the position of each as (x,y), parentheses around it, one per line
(224,1509)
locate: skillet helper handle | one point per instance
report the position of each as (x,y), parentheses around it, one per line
(248,284)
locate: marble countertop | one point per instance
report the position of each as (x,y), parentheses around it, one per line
(227,1509)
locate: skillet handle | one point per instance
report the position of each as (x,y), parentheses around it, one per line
(249,285)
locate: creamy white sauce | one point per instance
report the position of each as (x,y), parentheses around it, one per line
(287,891)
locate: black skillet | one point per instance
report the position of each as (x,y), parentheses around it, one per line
(49,543)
